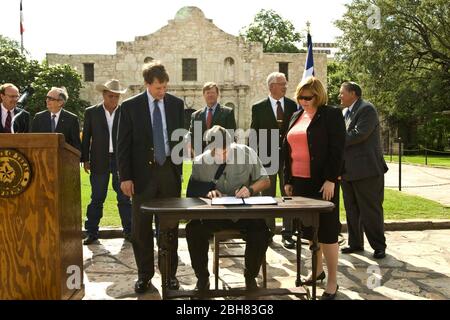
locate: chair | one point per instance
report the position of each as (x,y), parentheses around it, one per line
(223,237)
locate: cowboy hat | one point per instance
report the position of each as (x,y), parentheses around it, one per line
(111,85)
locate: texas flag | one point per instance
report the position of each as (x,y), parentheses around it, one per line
(309,65)
(21,19)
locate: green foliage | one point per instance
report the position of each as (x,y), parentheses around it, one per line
(58,76)
(17,69)
(404,66)
(14,66)
(337,73)
(435,133)
(275,33)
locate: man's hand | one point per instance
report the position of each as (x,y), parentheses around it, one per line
(328,190)
(289,189)
(87,166)
(214,194)
(127,188)
(242,192)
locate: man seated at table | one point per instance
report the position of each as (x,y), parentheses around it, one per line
(243,176)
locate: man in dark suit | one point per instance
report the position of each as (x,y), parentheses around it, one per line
(146,168)
(209,116)
(58,120)
(12,118)
(273,115)
(363,177)
(98,155)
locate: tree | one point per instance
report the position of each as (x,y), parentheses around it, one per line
(275,33)
(58,76)
(337,73)
(404,62)
(16,68)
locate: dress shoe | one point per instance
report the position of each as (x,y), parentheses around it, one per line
(202,284)
(142,285)
(289,243)
(308,280)
(90,240)
(351,249)
(329,296)
(379,254)
(174,284)
(250,284)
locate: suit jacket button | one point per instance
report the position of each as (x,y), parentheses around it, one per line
(150,162)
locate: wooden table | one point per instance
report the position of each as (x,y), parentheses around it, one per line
(304,211)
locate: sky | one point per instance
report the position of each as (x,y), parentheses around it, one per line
(94,26)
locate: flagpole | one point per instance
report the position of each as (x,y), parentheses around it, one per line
(21,28)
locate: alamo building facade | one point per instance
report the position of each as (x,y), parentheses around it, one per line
(194,50)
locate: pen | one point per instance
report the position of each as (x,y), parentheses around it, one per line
(239,189)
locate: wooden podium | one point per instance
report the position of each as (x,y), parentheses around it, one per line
(41,254)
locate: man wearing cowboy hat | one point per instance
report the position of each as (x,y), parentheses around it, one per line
(98,156)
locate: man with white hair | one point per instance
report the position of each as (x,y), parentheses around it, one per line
(273,114)
(56,119)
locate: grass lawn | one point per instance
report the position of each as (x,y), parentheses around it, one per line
(397,205)
(420,159)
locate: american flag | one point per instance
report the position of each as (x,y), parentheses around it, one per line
(21,19)
(309,65)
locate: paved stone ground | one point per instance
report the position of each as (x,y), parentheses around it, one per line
(417,266)
(427,182)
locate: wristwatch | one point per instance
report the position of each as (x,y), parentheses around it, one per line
(250,189)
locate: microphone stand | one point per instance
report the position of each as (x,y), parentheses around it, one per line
(21,102)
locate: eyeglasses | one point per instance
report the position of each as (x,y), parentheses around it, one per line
(282,84)
(51,98)
(306,98)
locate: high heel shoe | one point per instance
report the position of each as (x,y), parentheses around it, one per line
(329,296)
(309,281)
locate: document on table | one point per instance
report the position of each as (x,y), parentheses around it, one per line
(260,200)
(224,201)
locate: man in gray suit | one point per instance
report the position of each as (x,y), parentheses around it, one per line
(363,177)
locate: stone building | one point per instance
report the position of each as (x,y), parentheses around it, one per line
(194,51)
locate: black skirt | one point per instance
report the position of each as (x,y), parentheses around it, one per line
(329,224)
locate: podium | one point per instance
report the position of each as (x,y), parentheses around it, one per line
(41,254)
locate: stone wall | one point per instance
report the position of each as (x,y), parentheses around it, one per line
(240,68)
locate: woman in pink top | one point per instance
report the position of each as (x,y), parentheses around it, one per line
(313,155)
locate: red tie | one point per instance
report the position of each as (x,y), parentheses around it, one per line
(209,118)
(7,128)
(280,115)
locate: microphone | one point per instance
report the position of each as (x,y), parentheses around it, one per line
(21,103)
(25,96)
